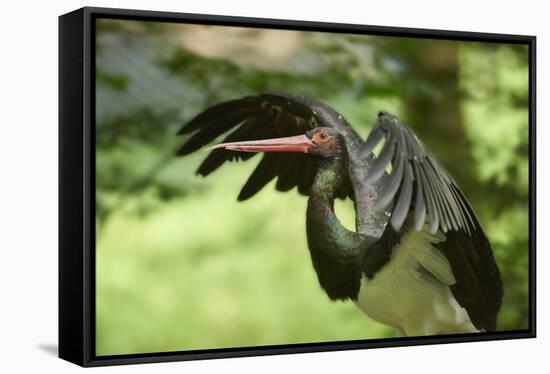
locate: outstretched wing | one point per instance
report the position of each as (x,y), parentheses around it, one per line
(416,180)
(262,117)
(418,190)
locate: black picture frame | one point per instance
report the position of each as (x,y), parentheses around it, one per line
(77,181)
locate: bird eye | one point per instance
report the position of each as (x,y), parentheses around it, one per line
(322,135)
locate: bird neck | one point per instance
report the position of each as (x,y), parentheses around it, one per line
(330,175)
(336,252)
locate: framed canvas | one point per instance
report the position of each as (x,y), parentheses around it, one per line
(235,186)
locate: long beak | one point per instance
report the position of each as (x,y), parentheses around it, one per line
(298,143)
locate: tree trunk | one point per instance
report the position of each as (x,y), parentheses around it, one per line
(433,103)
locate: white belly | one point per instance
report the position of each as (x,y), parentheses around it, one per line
(406,296)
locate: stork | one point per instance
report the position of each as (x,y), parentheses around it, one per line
(418,260)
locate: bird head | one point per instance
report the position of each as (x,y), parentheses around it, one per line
(323,142)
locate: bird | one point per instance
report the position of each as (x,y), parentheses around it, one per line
(418,260)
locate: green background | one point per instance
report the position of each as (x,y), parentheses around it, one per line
(182,265)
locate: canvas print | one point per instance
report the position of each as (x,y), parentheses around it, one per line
(265,187)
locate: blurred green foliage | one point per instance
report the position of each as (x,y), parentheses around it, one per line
(182,265)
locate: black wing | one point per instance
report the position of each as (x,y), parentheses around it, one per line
(262,117)
(420,190)
(416,180)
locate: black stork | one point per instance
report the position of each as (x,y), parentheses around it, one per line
(419,260)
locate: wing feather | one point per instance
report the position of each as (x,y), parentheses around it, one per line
(382,161)
(401,209)
(420,205)
(391,186)
(426,191)
(373,139)
(264,173)
(432,189)
(261,117)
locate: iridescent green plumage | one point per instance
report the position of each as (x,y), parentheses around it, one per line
(336,252)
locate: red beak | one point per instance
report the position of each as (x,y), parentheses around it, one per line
(298,143)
